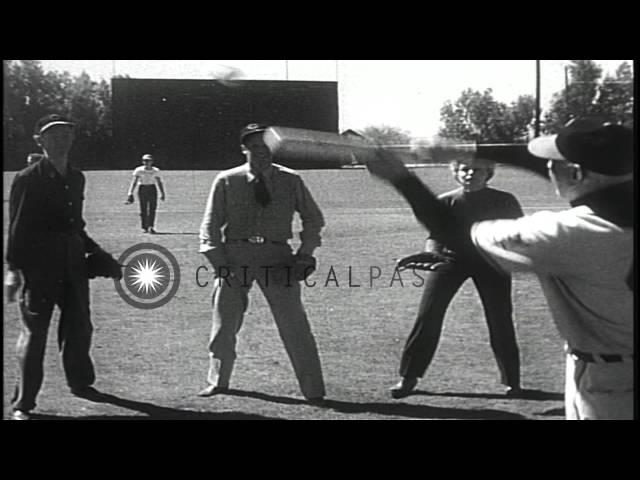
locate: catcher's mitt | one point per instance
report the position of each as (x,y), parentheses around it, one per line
(129,200)
(432,261)
(303,266)
(101,264)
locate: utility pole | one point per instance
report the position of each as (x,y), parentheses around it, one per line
(340,97)
(537,124)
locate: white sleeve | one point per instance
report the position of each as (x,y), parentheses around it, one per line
(540,242)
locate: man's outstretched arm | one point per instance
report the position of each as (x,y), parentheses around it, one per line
(427,208)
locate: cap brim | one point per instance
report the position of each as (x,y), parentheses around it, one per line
(53,124)
(252,132)
(545,147)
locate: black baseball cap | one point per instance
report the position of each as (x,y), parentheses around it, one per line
(49,121)
(591,142)
(252,128)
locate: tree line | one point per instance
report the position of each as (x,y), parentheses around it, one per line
(477,116)
(30,92)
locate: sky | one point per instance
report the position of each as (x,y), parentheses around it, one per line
(405,94)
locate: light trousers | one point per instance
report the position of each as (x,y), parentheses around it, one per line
(259,263)
(599,391)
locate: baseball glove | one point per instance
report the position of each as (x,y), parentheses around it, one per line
(101,264)
(432,261)
(303,266)
(129,200)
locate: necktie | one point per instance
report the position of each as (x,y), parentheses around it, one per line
(260,189)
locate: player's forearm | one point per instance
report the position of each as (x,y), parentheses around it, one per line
(308,246)
(12,282)
(216,256)
(433,245)
(434,214)
(14,255)
(160,187)
(90,245)
(20,227)
(211,245)
(312,220)
(428,210)
(12,266)
(310,235)
(132,186)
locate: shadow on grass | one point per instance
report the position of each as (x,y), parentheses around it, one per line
(266,397)
(175,233)
(395,408)
(153,412)
(527,394)
(423,411)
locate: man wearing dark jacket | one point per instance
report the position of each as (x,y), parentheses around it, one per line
(46,255)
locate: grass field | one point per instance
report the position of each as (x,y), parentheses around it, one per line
(153,362)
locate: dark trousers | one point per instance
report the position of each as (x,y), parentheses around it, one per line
(38,298)
(148,196)
(440,287)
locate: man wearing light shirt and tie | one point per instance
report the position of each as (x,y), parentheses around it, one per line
(244,235)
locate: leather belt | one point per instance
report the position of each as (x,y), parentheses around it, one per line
(598,357)
(256,239)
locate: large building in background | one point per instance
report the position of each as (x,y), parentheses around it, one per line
(194,124)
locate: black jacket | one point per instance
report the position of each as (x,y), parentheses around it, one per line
(46,229)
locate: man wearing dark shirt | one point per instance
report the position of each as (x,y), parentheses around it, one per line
(472,202)
(583,256)
(46,250)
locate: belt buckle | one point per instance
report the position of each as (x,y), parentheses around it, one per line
(256,239)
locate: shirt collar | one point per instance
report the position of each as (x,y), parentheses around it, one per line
(268,173)
(47,168)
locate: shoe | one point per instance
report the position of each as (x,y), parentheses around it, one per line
(145,230)
(404,387)
(152,230)
(211,390)
(514,392)
(20,415)
(88,393)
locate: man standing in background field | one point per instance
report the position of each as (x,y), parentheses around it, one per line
(147,176)
(583,256)
(472,202)
(244,235)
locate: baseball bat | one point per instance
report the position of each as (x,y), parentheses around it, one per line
(516,155)
(300,144)
(513,154)
(314,145)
